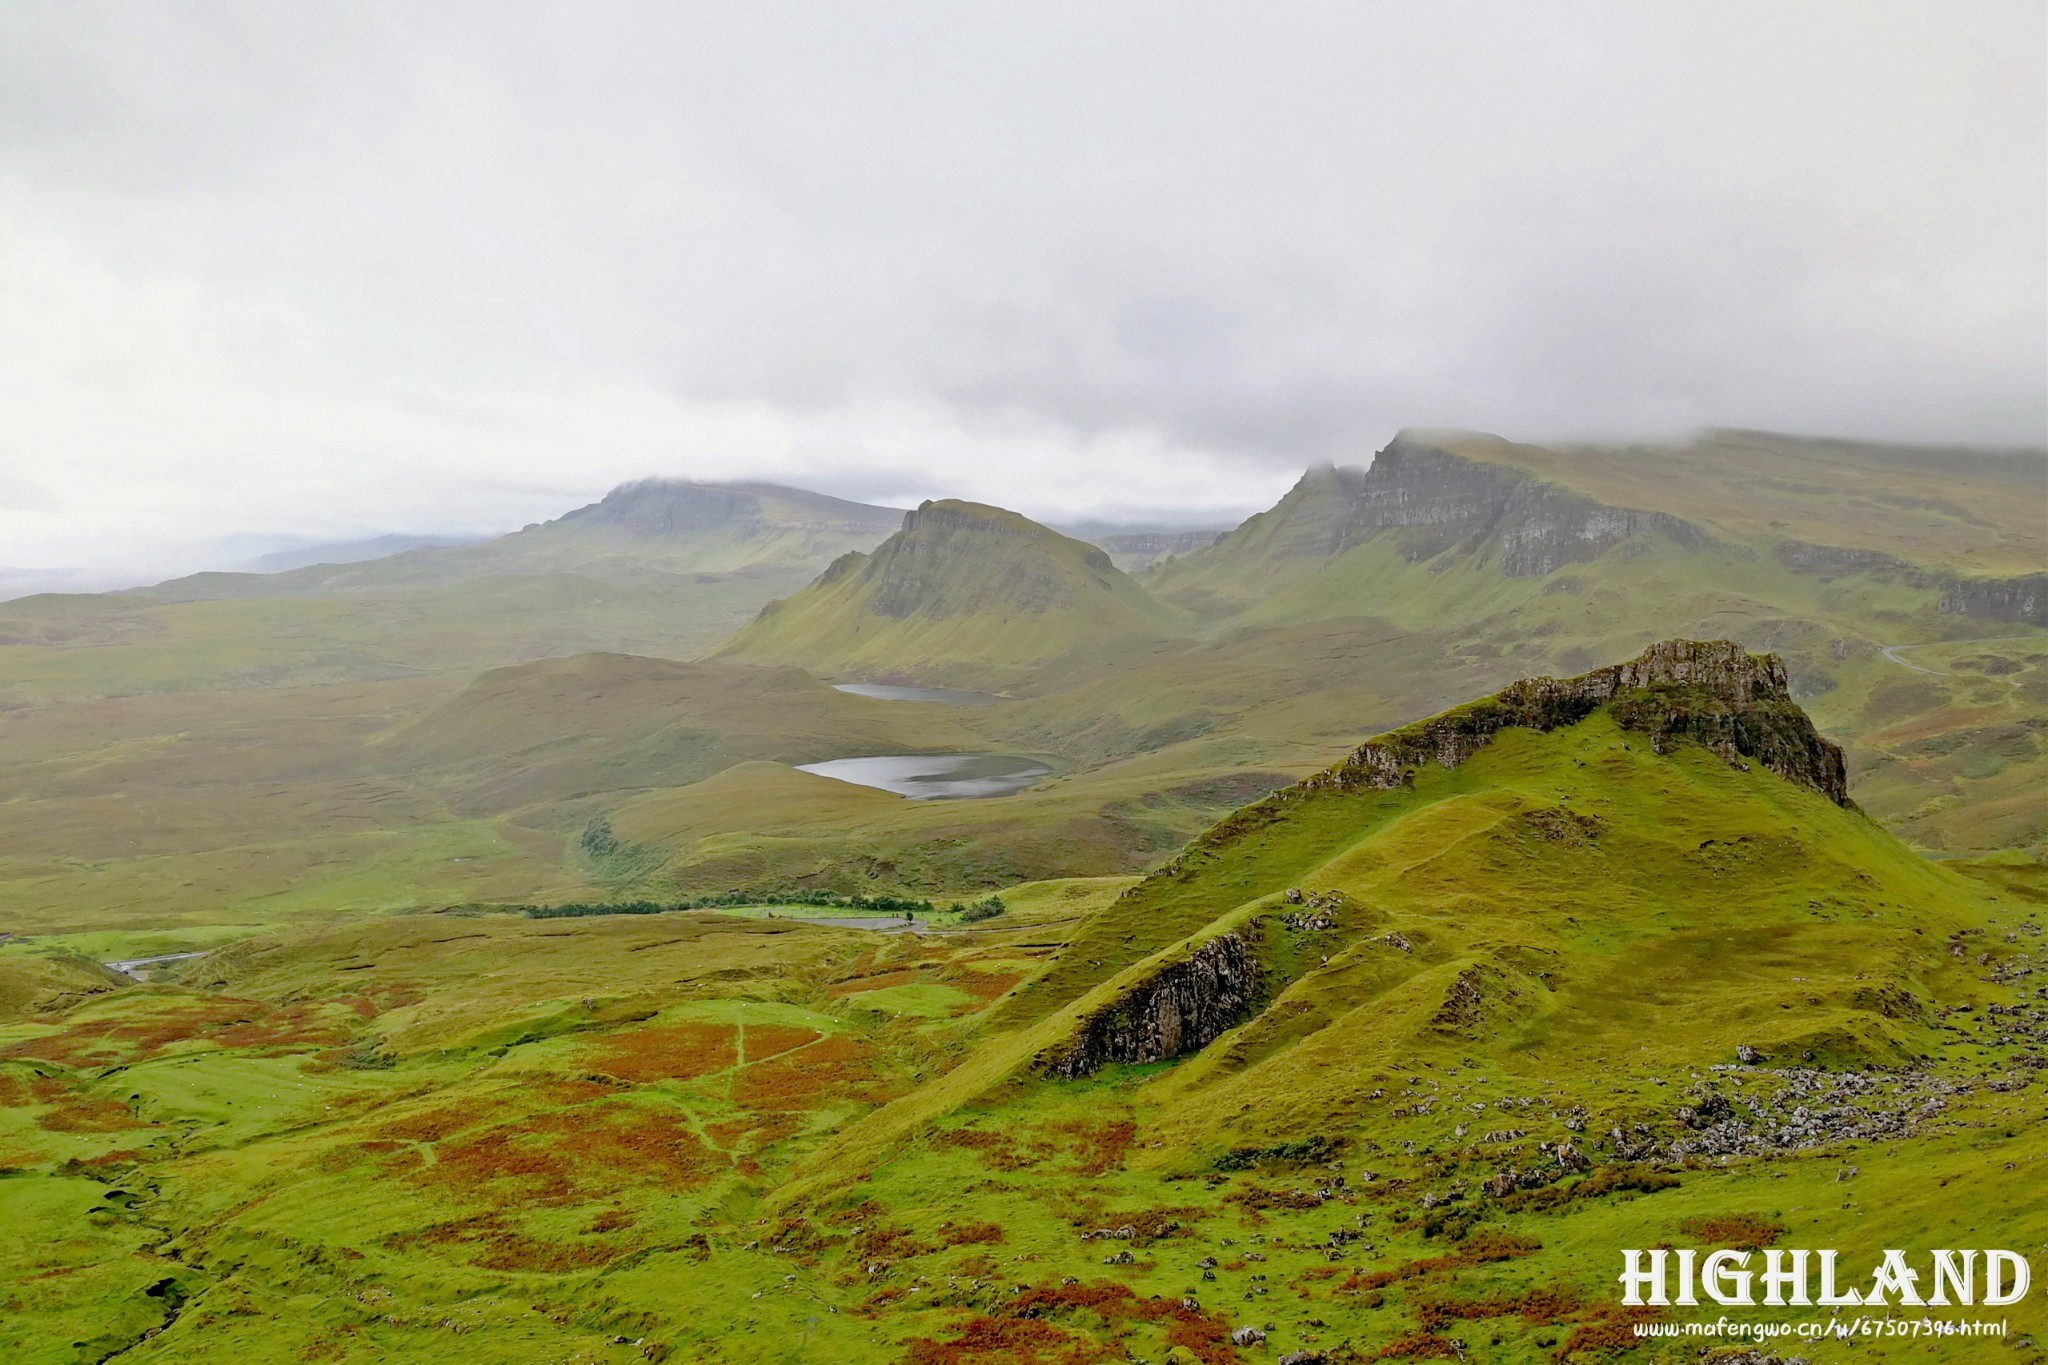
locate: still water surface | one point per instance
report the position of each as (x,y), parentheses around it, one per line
(888,692)
(936,777)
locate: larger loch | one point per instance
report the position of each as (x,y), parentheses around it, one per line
(936,777)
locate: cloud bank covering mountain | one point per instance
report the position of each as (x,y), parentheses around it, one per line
(387,269)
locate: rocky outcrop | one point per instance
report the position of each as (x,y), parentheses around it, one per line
(1433,500)
(1829,561)
(1181,1008)
(1135,550)
(1998,599)
(1714,693)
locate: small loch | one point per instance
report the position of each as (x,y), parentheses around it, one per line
(950,696)
(936,777)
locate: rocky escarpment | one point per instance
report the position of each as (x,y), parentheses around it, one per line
(1134,550)
(1714,693)
(2023,598)
(1999,599)
(1434,500)
(1828,561)
(1179,1009)
(1438,499)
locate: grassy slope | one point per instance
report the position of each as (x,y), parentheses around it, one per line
(351,1142)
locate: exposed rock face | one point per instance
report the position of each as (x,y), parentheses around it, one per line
(1181,1009)
(1713,692)
(1134,550)
(1829,561)
(1440,499)
(1434,500)
(2000,599)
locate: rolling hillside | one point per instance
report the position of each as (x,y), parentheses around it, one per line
(1385,1065)
(962,594)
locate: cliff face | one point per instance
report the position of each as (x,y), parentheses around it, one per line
(1999,599)
(1714,693)
(1437,500)
(1134,550)
(1181,1009)
(1433,500)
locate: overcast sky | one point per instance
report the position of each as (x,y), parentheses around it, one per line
(330,269)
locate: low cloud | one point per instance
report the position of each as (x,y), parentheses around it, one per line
(454,268)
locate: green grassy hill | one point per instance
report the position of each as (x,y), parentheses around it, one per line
(1388,1065)
(963,594)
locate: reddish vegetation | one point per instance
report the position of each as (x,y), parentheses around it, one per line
(72,1111)
(221,1022)
(1613,1330)
(1022,1332)
(554,1158)
(436,1124)
(1478,1249)
(1418,1346)
(674,1052)
(997,1150)
(968,1234)
(880,981)
(985,987)
(504,1247)
(1536,1306)
(802,1079)
(1743,1231)
(771,1040)
(1100,1147)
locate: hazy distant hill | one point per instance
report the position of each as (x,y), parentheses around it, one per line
(1135,548)
(1966,529)
(964,592)
(353,551)
(652,534)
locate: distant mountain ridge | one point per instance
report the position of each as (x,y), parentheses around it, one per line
(650,533)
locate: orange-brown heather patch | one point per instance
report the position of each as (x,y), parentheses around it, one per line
(772,1040)
(1480,1248)
(221,1022)
(837,1066)
(763,1129)
(1417,1346)
(998,1151)
(436,1124)
(504,1247)
(14,1091)
(668,1052)
(879,981)
(991,1338)
(72,1111)
(503,1165)
(969,1234)
(611,1220)
(1742,1231)
(1613,1329)
(1008,1341)
(1099,1147)
(985,987)
(650,1145)
(1539,1307)
(571,1092)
